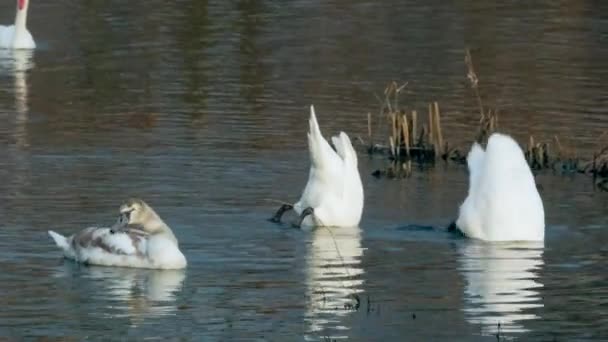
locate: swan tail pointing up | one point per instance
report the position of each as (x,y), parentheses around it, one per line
(321,153)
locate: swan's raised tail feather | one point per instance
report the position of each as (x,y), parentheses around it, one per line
(320,152)
(60,240)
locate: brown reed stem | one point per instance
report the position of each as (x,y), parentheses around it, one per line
(406,135)
(369,129)
(472,76)
(438,129)
(414,125)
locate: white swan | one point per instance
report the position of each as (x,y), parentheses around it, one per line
(17,36)
(140,239)
(333,195)
(503,203)
(502,284)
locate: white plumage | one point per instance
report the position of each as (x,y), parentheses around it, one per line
(17,36)
(334,190)
(140,239)
(503,203)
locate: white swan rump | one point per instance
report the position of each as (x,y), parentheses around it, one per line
(17,36)
(139,239)
(503,203)
(334,190)
(333,195)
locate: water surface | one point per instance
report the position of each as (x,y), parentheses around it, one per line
(200,108)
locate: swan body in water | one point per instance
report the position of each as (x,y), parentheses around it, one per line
(333,195)
(140,239)
(17,36)
(503,203)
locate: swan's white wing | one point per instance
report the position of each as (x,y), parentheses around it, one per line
(469,220)
(503,203)
(6,35)
(475,160)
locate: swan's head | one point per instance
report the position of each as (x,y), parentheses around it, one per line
(21,4)
(136,212)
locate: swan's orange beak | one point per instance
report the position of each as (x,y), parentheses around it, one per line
(21,4)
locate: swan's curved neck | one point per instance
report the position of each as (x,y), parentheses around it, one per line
(21,17)
(163,229)
(158,226)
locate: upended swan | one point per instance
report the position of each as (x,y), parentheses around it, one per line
(139,239)
(333,195)
(17,36)
(503,203)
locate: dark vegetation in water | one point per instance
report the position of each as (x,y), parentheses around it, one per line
(418,137)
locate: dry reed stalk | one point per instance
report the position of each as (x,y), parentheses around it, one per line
(423,135)
(414,124)
(431,133)
(472,76)
(530,152)
(394,135)
(369,129)
(438,129)
(406,134)
(392,145)
(558,145)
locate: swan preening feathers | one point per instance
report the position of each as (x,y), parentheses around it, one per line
(17,36)
(503,203)
(140,238)
(333,195)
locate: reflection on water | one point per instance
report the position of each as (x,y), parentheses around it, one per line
(136,293)
(502,284)
(333,278)
(17,63)
(200,109)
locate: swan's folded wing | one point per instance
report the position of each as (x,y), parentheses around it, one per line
(475,161)
(127,241)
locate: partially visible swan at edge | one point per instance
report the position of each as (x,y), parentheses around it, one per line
(503,203)
(333,195)
(139,239)
(17,36)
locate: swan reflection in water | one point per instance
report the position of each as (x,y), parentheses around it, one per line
(14,64)
(502,284)
(17,63)
(333,278)
(136,293)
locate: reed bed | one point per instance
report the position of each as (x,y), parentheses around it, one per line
(412,136)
